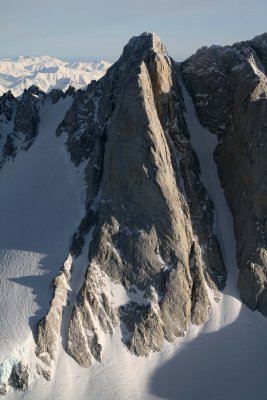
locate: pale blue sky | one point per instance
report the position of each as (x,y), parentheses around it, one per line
(85,29)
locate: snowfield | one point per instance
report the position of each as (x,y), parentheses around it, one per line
(41,203)
(42,196)
(47,73)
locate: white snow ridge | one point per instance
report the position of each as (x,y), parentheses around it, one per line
(47,73)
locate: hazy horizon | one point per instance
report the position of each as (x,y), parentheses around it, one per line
(88,31)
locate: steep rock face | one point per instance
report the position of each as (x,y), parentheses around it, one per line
(49,326)
(19,122)
(7,110)
(153,222)
(6,106)
(20,377)
(229,88)
(20,119)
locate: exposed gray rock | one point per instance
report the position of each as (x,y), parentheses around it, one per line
(55,95)
(44,371)
(94,310)
(49,326)
(7,104)
(252,281)
(229,88)
(145,328)
(9,149)
(19,378)
(3,390)
(27,117)
(21,116)
(200,308)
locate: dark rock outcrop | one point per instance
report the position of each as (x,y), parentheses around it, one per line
(7,103)
(229,88)
(19,378)
(19,121)
(3,390)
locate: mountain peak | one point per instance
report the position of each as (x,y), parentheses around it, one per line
(150,40)
(141,44)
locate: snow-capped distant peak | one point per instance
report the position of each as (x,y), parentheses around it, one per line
(47,73)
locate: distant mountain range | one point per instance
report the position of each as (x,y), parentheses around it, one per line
(47,73)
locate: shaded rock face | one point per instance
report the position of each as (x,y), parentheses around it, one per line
(19,378)
(7,104)
(153,221)
(20,119)
(229,88)
(3,390)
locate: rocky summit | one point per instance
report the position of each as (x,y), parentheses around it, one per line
(154,262)
(143,199)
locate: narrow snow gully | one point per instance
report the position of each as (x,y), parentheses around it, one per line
(204,144)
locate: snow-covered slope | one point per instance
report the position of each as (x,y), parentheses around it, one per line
(41,200)
(47,73)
